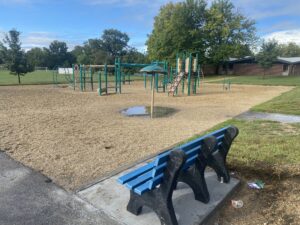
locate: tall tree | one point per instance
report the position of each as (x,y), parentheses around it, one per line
(114,42)
(59,55)
(91,53)
(13,54)
(228,32)
(37,57)
(177,27)
(267,55)
(134,56)
(289,50)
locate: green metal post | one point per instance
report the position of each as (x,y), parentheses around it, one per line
(189,75)
(105,77)
(156,82)
(80,78)
(92,80)
(84,78)
(145,81)
(129,78)
(116,72)
(119,78)
(99,83)
(123,77)
(74,81)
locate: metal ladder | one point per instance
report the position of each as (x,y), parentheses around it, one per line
(176,82)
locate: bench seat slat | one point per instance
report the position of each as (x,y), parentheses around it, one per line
(161,158)
(142,188)
(136,173)
(193,151)
(155,181)
(189,162)
(139,180)
(158,170)
(200,140)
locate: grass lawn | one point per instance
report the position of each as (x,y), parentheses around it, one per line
(43,77)
(286,103)
(37,77)
(269,80)
(263,143)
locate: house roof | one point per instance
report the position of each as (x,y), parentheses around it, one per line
(289,60)
(235,60)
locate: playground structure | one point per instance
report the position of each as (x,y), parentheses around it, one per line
(110,78)
(188,73)
(160,82)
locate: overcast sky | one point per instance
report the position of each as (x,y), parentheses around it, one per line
(42,21)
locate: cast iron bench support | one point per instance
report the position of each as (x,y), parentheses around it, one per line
(160,199)
(217,160)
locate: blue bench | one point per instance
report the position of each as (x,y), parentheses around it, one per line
(153,184)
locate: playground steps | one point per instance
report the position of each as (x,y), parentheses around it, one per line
(176,82)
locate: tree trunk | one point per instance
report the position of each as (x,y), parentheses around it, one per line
(19,79)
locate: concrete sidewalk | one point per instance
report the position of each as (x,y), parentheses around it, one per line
(29,198)
(112,198)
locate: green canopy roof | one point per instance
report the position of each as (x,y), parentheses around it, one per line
(153,69)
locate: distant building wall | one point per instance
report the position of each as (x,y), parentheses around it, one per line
(296,69)
(252,69)
(209,70)
(255,69)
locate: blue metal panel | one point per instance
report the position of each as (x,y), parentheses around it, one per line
(155,181)
(139,180)
(142,189)
(199,140)
(158,170)
(138,172)
(192,152)
(190,162)
(164,157)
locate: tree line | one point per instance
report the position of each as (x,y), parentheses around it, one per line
(113,43)
(217,31)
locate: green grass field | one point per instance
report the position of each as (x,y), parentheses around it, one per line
(263,143)
(259,80)
(37,77)
(287,103)
(43,77)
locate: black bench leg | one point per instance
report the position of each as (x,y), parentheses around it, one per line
(230,134)
(134,206)
(166,214)
(217,160)
(160,199)
(194,176)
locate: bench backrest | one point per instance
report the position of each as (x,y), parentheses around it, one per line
(149,176)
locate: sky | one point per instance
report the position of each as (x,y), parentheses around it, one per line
(75,21)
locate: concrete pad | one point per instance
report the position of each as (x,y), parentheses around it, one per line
(112,198)
(277,117)
(27,197)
